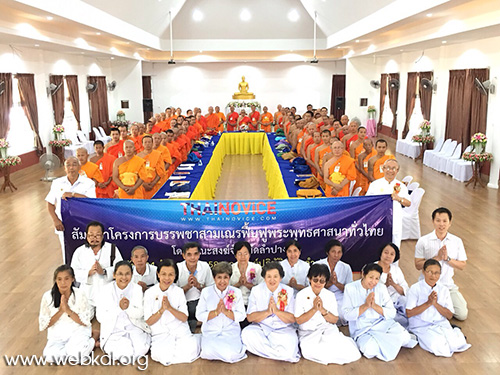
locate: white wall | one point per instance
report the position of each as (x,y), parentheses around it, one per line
(128,76)
(205,84)
(478,54)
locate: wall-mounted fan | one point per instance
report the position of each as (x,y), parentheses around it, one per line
(375,84)
(53,88)
(112,85)
(2,87)
(428,85)
(91,87)
(394,84)
(484,87)
(49,162)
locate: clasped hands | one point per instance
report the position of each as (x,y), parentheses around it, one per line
(96,268)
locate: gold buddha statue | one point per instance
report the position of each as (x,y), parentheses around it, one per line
(243,88)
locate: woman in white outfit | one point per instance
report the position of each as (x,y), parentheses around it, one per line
(369,310)
(429,306)
(245,274)
(65,314)
(316,313)
(220,309)
(270,308)
(124,333)
(295,268)
(165,311)
(394,280)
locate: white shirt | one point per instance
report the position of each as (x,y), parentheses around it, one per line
(381,187)
(203,274)
(304,302)
(428,247)
(252,268)
(61,185)
(149,277)
(398,278)
(82,261)
(299,271)
(344,275)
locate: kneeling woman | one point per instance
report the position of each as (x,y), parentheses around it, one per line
(66,314)
(121,314)
(316,313)
(270,309)
(220,309)
(369,310)
(165,311)
(429,306)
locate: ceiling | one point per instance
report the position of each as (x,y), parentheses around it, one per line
(239,30)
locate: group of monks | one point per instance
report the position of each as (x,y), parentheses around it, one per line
(338,151)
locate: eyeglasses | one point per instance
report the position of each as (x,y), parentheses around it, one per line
(437,273)
(318,280)
(393,169)
(94,235)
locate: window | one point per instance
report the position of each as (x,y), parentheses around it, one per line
(20,137)
(387,115)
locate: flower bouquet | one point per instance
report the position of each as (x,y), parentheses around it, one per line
(371,111)
(120,116)
(251,275)
(425,126)
(420,138)
(9,161)
(477,157)
(229,299)
(60,143)
(58,131)
(4,145)
(282,299)
(479,140)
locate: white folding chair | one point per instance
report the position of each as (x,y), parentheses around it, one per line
(97,134)
(402,144)
(351,187)
(407,180)
(105,138)
(411,218)
(356,191)
(443,160)
(89,145)
(445,152)
(450,165)
(462,171)
(428,154)
(413,186)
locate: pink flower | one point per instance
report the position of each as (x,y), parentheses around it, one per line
(229,299)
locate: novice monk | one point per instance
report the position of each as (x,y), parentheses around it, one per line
(129,172)
(320,152)
(338,172)
(232,120)
(308,154)
(362,165)
(222,119)
(134,130)
(87,168)
(266,120)
(376,163)
(352,133)
(105,162)
(357,146)
(155,167)
(115,146)
(165,153)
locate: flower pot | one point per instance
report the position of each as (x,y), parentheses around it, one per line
(3,152)
(479,148)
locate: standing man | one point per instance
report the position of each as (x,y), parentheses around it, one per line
(104,162)
(232,119)
(70,186)
(448,250)
(338,172)
(222,119)
(399,193)
(254,117)
(87,168)
(129,172)
(155,167)
(115,146)
(377,162)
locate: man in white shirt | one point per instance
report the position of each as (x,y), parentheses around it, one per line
(94,262)
(448,250)
(399,193)
(143,273)
(194,275)
(70,186)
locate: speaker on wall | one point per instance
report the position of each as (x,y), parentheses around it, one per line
(339,102)
(147,105)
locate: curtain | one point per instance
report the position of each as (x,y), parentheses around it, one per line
(146,94)
(393,103)
(74,97)
(411,92)
(5,103)
(466,108)
(425,96)
(99,115)
(338,91)
(383,92)
(28,102)
(58,98)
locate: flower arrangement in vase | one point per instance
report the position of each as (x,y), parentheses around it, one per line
(4,145)
(478,141)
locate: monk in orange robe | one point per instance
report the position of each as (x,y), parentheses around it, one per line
(351,135)
(326,138)
(198,124)
(175,155)
(266,120)
(213,120)
(244,121)
(232,120)
(87,168)
(254,119)
(308,154)
(307,140)
(376,163)
(222,119)
(165,153)
(278,117)
(339,171)
(357,145)
(115,146)
(104,161)
(362,166)
(155,167)
(129,172)
(134,135)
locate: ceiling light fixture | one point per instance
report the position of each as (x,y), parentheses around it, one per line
(429,15)
(197,15)
(112,58)
(357,40)
(444,42)
(245,15)
(97,33)
(49,18)
(293,15)
(37,45)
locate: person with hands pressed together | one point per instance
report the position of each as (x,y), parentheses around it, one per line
(245,274)
(449,251)
(429,307)
(194,275)
(295,268)
(143,273)
(316,313)
(220,310)
(270,310)
(65,314)
(166,312)
(124,333)
(129,173)
(104,161)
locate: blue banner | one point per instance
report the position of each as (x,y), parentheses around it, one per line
(362,224)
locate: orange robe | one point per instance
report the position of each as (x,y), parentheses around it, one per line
(348,142)
(232,120)
(363,181)
(378,172)
(128,173)
(105,165)
(342,169)
(266,121)
(309,142)
(300,137)
(213,122)
(138,143)
(165,154)
(173,148)
(116,150)
(311,156)
(91,171)
(254,118)
(278,116)
(179,149)
(222,117)
(321,154)
(154,167)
